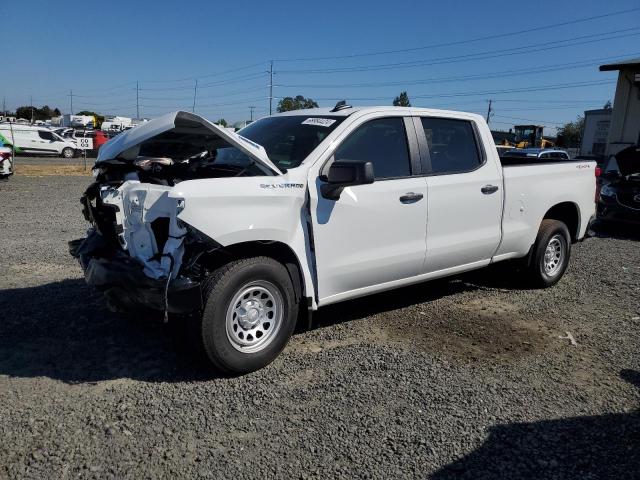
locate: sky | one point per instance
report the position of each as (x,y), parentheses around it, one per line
(536,60)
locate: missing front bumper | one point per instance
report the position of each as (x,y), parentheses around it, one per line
(126,287)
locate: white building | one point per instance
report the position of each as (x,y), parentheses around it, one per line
(596,131)
(625,119)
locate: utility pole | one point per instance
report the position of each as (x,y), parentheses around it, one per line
(31,104)
(270,87)
(251,112)
(4,105)
(489,112)
(71,96)
(137,100)
(195,93)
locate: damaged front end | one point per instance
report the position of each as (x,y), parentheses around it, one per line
(137,251)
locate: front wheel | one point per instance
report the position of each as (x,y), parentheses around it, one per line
(67,152)
(249,316)
(550,255)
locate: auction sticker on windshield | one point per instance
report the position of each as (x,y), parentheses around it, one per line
(321,122)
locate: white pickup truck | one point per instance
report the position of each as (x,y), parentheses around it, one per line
(244,233)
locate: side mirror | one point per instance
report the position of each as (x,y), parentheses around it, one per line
(345,173)
(611,175)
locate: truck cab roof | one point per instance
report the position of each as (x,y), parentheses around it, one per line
(348,110)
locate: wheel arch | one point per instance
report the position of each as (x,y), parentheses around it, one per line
(279,251)
(569,214)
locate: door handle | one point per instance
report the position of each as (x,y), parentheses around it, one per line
(411,197)
(488,189)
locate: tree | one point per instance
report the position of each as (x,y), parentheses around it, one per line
(608,106)
(295,103)
(44,113)
(24,112)
(56,112)
(402,100)
(222,122)
(570,134)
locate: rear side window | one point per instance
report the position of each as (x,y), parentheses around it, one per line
(383,142)
(452,145)
(46,135)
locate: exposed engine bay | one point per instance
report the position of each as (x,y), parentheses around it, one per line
(136,237)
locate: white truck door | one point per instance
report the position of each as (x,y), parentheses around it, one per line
(465,195)
(373,233)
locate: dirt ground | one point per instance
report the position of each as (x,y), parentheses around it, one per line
(470,377)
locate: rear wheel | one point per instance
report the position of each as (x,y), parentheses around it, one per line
(67,152)
(249,316)
(550,255)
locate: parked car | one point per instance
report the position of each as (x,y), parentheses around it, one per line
(241,231)
(6,162)
(542,154)
(37,140)
(619,199)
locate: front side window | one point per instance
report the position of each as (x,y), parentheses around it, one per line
(383,142)
(46,135)
(452,145)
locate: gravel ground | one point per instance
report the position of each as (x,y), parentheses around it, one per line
(463,378)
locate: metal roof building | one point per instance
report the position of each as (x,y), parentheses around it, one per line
(625,119)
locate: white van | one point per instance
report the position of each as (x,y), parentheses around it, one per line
(37,140)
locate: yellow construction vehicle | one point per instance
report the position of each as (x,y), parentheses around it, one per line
(528,136)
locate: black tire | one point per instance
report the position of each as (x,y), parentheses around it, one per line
(219,291)
(538,275)
(67,152)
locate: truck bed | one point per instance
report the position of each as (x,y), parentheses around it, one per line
(529,188)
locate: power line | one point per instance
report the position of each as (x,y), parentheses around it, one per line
(252,76)
(529,120)
(209,75)
(270,87)
(558,86)
(195,92)
(478,56)
(217,95)
(504,73)
(464,42)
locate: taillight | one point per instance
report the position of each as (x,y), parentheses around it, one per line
(5,155)
(598,172)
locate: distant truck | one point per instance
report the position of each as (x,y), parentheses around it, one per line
(120,124)
(116,124)
(74,121)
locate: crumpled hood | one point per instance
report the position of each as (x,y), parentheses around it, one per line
(629,160)
(179,135)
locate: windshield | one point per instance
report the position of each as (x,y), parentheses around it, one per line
(288,140)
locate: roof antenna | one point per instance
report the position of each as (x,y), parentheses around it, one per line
(341,105)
